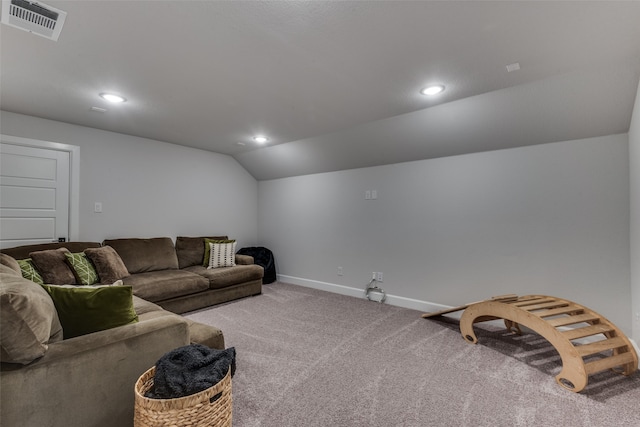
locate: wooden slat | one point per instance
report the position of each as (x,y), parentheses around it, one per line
(587,331)
(598,346)
(608,363)
(570,320)
(545,305)
(530,297)
(532,301)
(562,310)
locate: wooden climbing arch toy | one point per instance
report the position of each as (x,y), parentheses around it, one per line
(562,323)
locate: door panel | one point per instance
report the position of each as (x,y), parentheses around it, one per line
(34,195)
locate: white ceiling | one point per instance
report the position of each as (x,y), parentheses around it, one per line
(334,84)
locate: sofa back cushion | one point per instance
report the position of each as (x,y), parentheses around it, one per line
(22,252)
(190,250)
(10,262)
(142,255)
(28,319)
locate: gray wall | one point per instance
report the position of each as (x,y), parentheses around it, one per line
(634,172)
(549,219)
(150,188)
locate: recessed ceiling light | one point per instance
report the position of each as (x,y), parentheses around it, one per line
(112,97)
(432,90)
(260,139)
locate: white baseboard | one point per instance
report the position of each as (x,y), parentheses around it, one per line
(394,300)
(414,304)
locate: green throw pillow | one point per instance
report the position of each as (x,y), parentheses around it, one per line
(83,310)
(207,249)
(82,268)
(29,271)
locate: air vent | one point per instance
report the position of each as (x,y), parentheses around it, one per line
(37,18)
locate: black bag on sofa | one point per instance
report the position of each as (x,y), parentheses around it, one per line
(263,257)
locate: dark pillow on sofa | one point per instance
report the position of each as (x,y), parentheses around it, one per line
(108,264)
(142,255)
(53,267)
(190,250)
(87,309)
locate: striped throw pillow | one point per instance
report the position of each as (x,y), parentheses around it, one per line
(222,255)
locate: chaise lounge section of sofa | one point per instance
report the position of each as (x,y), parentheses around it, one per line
(84,381)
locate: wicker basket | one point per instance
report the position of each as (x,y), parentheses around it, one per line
(195,410)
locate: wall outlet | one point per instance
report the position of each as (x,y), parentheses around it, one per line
(379,276)
(340,271)
(374,275)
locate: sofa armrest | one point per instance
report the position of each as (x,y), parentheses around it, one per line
(88,380)
(244,259)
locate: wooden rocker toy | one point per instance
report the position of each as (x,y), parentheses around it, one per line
(560,322)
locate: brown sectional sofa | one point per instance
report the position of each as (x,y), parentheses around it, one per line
(174,277)
(88,380)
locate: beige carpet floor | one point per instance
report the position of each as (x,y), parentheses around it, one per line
(312,358)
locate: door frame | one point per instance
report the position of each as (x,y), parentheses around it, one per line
(74,175)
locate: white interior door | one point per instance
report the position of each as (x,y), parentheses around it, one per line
(34,195)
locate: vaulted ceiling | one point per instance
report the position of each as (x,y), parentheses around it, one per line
(333,84)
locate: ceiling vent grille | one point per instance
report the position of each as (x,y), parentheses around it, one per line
(37,18)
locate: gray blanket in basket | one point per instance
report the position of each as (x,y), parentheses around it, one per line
(190,369)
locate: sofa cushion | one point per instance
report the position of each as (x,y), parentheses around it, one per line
(29,271)
(142,306)
(208,335)
(87,309)
(161,285)
(190,250)
(228,276)
(243,259)
(10,262)
(199,333)
(28,319)
(142,255)
(108,264)
(221,254)
(22,252)
(82,268)
(52,265)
